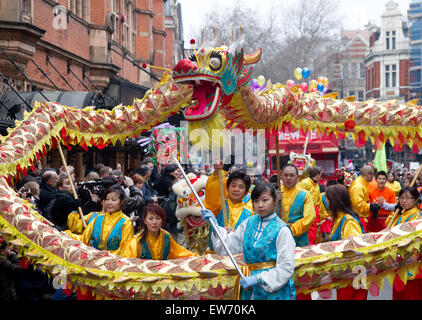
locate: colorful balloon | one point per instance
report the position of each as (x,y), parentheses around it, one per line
(313,84)
(320,80)
(325,82)
(320,87)
(261,80)
(304,86)
(298,73)
(254,84)
(314,89)
(290,83)
(306,72)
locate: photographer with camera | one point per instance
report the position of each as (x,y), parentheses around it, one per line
(30,191)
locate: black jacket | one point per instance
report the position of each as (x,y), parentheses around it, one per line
(47,193)
(64,204)
(135,202)
(164,184)
(9,268)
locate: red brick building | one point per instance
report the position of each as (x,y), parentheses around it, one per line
(86,46)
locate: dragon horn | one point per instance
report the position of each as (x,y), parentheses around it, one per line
(217,36)
(252,58)
(237,36)
(205,37)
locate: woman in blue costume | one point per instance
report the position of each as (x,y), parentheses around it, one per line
(268,248)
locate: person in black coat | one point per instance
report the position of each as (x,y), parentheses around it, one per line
(9,268)
(165,183)
(48,189)
(64,203)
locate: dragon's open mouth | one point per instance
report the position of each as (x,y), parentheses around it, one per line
(205,98)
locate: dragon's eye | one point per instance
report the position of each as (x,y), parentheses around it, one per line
(215,63)
(185,193)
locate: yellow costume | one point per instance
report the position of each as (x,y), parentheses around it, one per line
(310,185)
(348,225)
(359,195)
(161,248)
(106,232)
(74,222)
(406,216)
(212,202)
(395,186)
(298,210)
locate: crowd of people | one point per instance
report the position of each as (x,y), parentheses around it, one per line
(133,215)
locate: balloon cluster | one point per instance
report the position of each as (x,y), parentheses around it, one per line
(258,83)
(320,85)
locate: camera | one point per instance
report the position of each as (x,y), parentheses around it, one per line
(28,192)
(95,186)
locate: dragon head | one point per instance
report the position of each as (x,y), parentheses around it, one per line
(215,72)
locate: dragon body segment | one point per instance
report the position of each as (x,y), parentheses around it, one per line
(388,254)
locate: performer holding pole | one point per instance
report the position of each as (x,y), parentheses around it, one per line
(212,222)
(267,245)
(71,182)
(394,217)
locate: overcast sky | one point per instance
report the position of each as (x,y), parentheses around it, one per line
(356,13)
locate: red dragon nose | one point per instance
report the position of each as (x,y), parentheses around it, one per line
(184,65)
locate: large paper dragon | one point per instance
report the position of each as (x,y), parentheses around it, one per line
(213,84)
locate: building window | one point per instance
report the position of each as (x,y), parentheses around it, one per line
(387,40)
(387,76)
(352,93)
(354,70)
(360,95)
(128,39)
(393,40)
(345,70)
(115,12)
(393,75)
(362,71)
(390,75)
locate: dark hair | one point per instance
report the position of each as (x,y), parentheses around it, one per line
(409,177)
(117,189)
(98,167)
(381,173)
(262,187)
(291,165)
(154,208)
(146,161)
(339,200)
(331,183)
(170,168)
(240,174)
(394,175)
(314,171)
(273,178)
(47,175)
(412,190)
(144,169)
